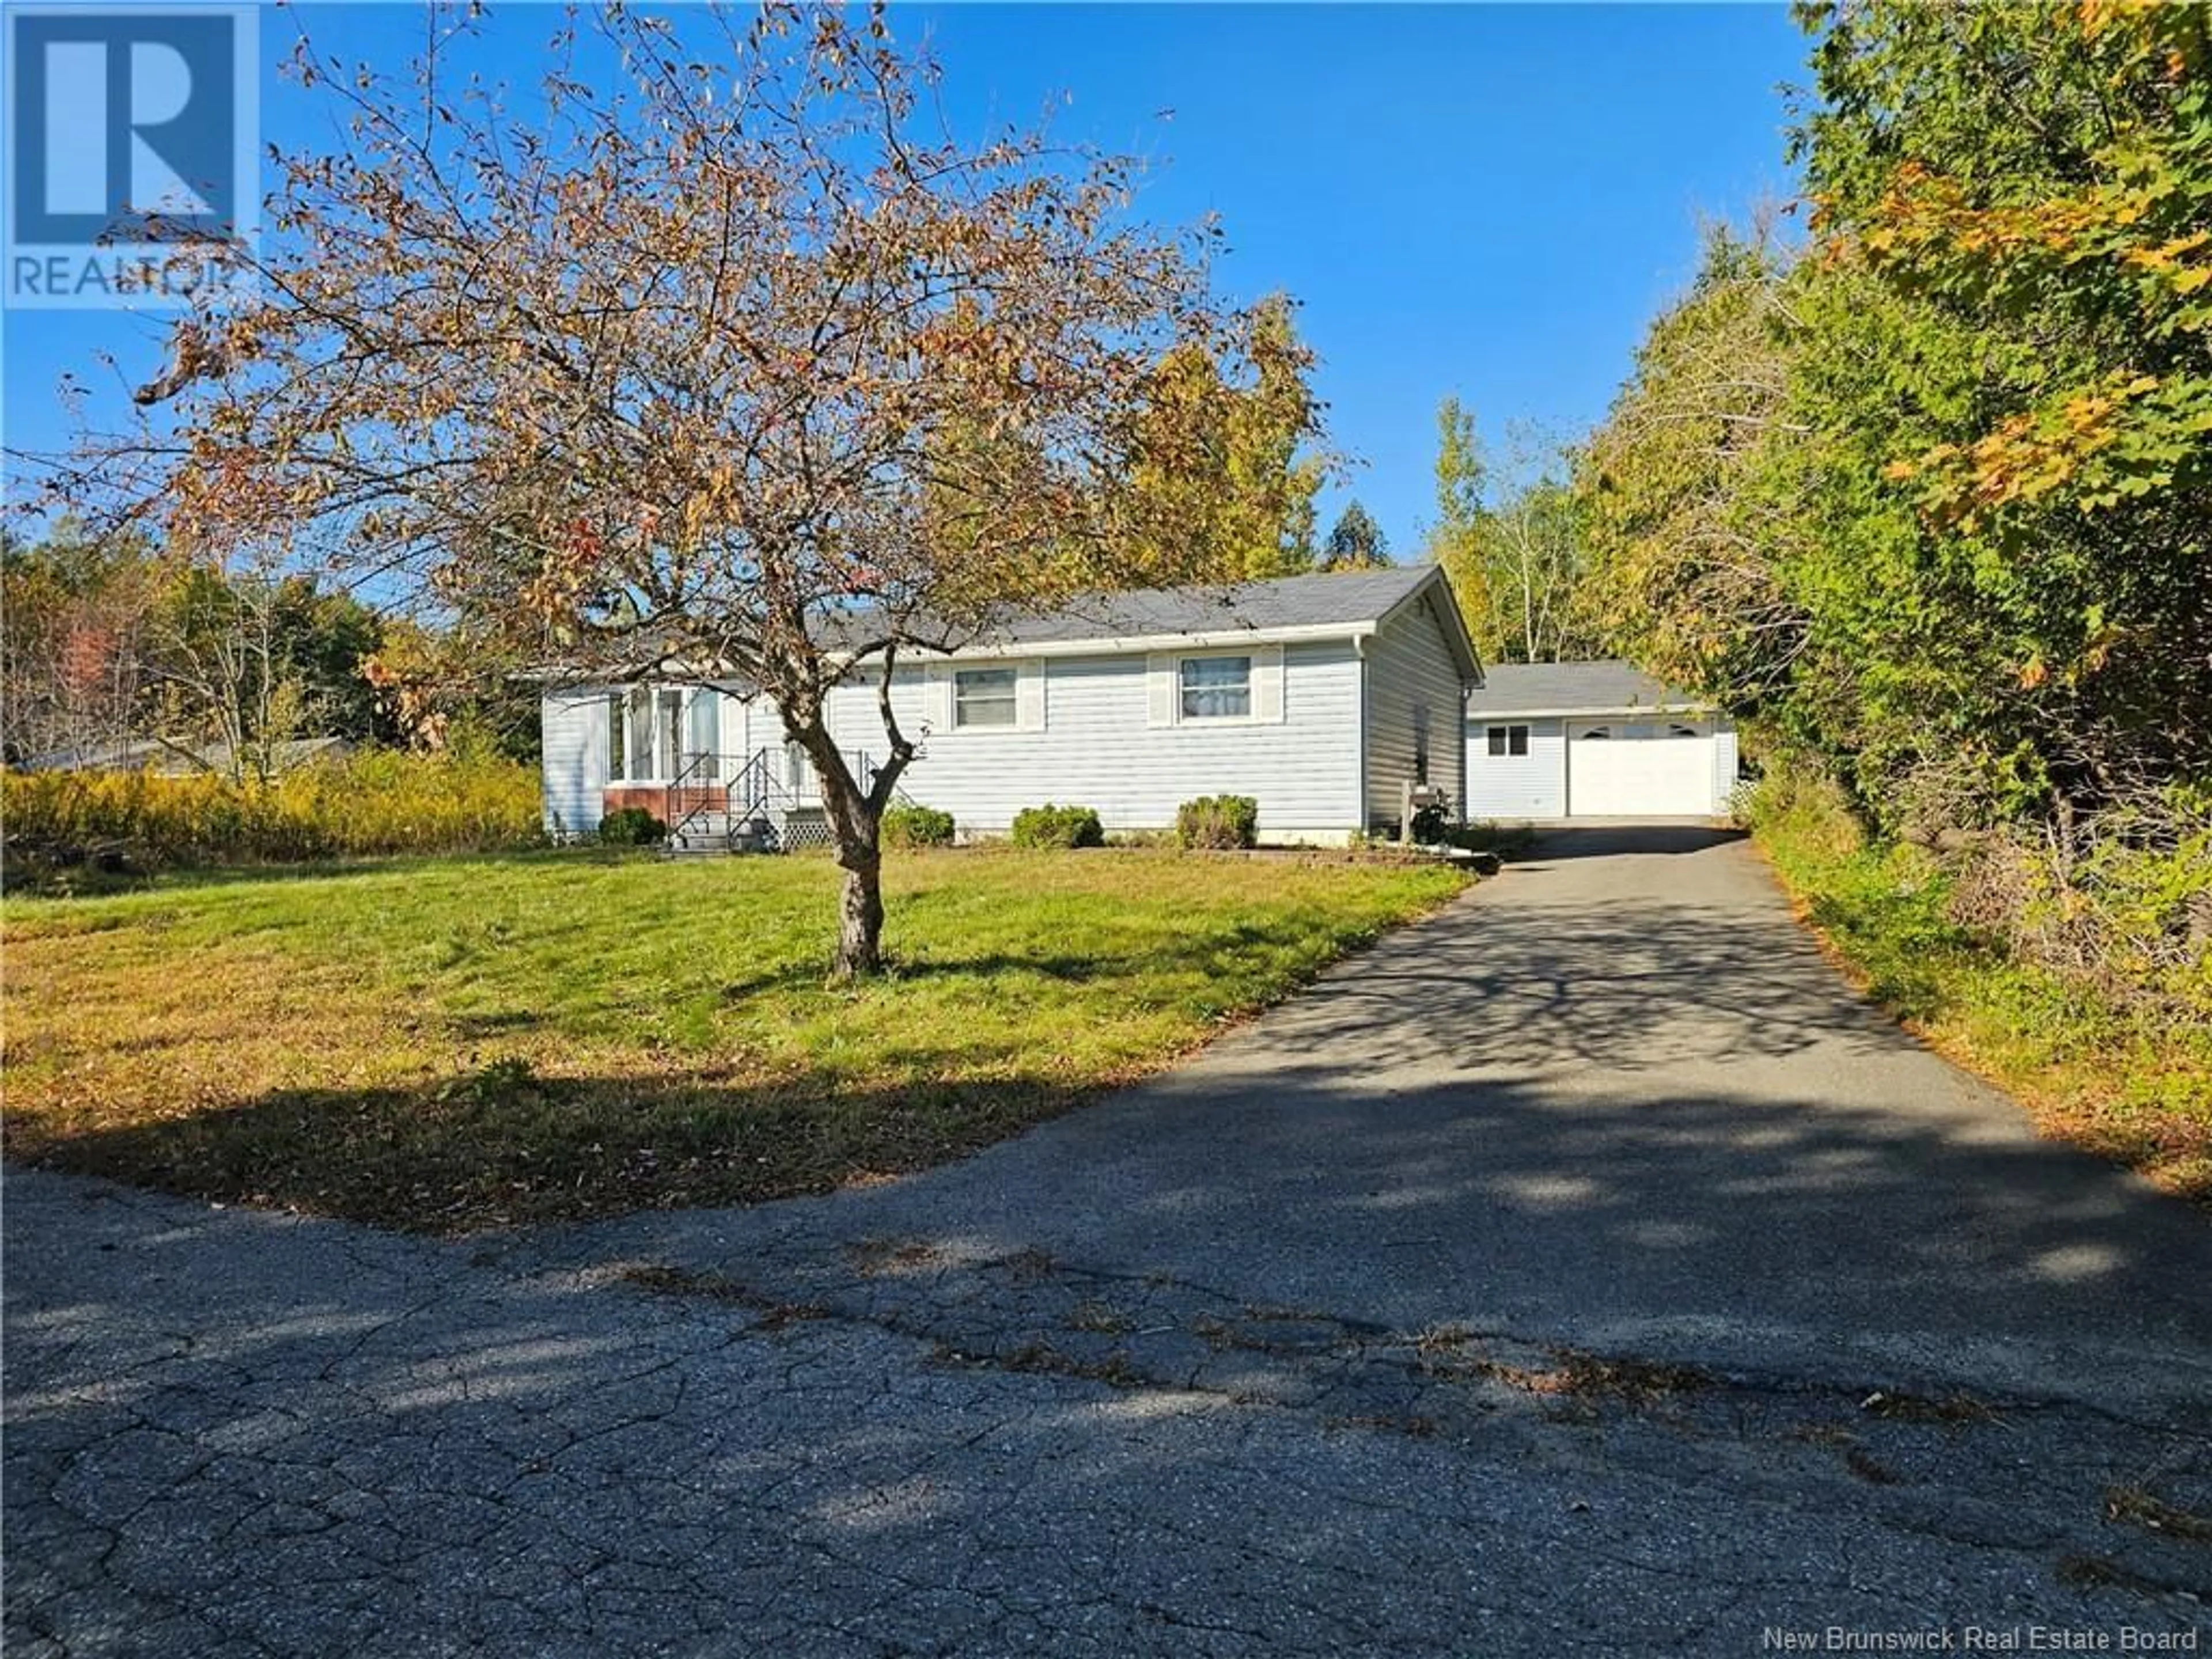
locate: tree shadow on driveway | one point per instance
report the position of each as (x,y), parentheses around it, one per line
(1526,988)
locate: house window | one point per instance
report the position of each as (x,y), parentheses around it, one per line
(672,734)
(1216,688)
(702,759)
(1506,740)
(984,697)
(655,733)
(1420,743)
(637,716)
(1597,734)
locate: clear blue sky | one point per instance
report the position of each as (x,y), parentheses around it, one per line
(1486,200)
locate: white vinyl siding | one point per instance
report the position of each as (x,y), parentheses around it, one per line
(1413,693)
(1509,785)
(1108,729)
(1646,765)
(577,725)
(1724,768)
(1095,742)
(573,727)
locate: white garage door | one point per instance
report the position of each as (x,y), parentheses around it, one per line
(1620,769)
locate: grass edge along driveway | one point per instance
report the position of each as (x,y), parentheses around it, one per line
(452,1043)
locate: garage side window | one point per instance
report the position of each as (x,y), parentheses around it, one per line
(1506,740)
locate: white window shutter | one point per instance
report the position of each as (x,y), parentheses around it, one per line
(937,702)
(1029,697)
(1159,690)
(1267,685)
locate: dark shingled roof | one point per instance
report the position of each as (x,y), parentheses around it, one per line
(1574,688)
(1316,601)
(1353,600)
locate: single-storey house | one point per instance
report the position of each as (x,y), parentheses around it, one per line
(1594,740)
(1322,696)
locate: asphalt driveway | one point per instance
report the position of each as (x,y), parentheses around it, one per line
(1585,1268)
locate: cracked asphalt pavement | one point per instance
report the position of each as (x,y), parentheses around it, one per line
(1584,1269)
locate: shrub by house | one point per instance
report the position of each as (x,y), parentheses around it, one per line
(1219,821)
(1058,826)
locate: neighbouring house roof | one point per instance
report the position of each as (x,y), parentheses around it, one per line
(1576,687)
(1351,605)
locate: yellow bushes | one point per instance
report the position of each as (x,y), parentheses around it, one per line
(379,801)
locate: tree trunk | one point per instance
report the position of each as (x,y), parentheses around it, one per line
(861,913)
(855,810)
(854,824)
(855,816)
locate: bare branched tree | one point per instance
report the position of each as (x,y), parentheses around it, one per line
(224,693)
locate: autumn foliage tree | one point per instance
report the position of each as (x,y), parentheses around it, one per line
(1932,494)
(725,359)
(112,648)
(2007,363)
(1229,460)
(1929,496)
(73,653)
(1454,537)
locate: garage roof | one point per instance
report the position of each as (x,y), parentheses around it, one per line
(1574,688)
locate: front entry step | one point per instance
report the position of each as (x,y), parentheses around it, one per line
(711,834)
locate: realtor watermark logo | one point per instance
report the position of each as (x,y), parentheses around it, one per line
(1982,1639)
(132,153)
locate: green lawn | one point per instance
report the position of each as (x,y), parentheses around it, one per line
(448,1043)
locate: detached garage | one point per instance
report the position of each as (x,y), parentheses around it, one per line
(1593,740)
